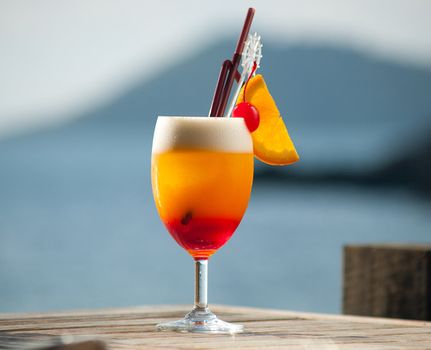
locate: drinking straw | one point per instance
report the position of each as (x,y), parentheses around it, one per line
(224,84)
(235,62)
(226,66)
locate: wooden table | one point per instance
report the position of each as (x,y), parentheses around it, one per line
(133,328)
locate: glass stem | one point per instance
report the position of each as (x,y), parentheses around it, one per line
(201,284)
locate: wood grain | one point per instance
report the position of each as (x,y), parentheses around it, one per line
(134,328)
(388,280)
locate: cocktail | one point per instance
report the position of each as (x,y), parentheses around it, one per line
(202,174)
(202,170)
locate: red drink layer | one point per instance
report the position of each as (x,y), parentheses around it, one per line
(201,237)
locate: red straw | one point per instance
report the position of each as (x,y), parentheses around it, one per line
(224,85)
(245,30)
(225,68)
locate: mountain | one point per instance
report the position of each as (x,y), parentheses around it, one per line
(344,110)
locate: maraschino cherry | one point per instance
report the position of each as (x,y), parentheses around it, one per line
(246,110)
(249,113)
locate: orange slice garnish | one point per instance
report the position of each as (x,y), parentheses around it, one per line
(271,141)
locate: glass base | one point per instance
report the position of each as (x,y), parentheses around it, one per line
(201,321)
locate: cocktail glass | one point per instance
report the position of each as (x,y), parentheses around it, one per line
(202,174)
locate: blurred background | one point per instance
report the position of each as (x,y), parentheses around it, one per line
(81,85)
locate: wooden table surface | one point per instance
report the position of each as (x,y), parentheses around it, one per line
(133,328)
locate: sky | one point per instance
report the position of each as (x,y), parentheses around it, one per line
(60,59)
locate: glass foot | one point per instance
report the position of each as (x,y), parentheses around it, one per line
(201,321)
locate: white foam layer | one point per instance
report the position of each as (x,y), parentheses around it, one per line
(218,134)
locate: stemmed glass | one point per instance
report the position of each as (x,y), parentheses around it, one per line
(202,174)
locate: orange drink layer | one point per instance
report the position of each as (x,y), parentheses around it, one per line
(201,195)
